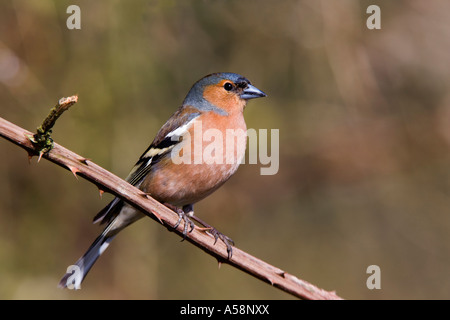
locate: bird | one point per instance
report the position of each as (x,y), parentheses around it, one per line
(178,168)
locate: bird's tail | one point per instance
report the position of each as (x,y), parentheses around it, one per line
(118,217)
(77,272)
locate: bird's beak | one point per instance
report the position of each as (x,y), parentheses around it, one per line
(252,92)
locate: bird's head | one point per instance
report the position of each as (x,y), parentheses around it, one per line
(222,92)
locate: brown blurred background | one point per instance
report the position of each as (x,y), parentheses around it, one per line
(364,120)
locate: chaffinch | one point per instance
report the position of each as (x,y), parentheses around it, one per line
(178,168)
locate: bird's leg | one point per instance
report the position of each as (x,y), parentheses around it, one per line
(183,214)
(217,235)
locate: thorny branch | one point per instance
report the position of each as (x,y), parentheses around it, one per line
(109,182)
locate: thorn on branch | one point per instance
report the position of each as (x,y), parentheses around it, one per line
(74,170)
(84,160)
(158,216)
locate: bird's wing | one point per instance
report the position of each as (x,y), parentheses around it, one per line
(168,137)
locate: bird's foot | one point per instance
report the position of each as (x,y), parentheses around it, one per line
(229,243)
(185,216)
(226,240)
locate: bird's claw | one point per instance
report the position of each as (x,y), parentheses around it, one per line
(226,240)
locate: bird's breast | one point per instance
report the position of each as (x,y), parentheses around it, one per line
(208,155)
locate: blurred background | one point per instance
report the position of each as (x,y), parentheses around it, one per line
(364,123)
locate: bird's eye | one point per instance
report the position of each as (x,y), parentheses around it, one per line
(228,86)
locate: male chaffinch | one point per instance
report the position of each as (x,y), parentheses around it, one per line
(175,169)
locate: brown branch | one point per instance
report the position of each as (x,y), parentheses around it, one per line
(109,182)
